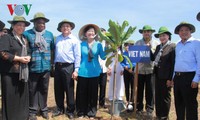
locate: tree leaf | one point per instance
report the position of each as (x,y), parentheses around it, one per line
(109,50)
(120,58)
(128,33)
(106,38)
(124,25)
(109,60)
(114,30)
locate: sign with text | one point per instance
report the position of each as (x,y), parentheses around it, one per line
(139,54)
(19,9)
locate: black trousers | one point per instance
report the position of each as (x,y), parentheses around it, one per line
(38,92)
(86,96)
(64,84)
(128,82)
(102,88)
(145,81)
(15,99)
(185,97)
(162,98)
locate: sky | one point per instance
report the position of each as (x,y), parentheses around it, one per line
(155,13)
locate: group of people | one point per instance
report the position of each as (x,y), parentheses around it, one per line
(28,59)
(176,65)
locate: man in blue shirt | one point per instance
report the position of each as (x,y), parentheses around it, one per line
(41,44)
(67,63)
(186,72)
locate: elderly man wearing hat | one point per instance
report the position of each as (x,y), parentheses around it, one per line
(67,63)
(14,59)
(145,73)
(41,44)
(164,68)
(187,72)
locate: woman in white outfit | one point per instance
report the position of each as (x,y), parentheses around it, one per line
(119,86)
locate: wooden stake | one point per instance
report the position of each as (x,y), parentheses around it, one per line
(135,87)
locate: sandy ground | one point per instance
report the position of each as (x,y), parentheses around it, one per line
(102,114)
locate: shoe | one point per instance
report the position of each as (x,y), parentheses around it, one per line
(57,113)
(139,113)
(103,106)
(70,116)
(158,118)
(149,115)
(91,118)
(129,111)
(80,117)
(45,115)
(32,117)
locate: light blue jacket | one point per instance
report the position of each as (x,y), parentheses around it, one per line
(91,69)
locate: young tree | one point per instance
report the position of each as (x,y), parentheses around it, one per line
(115,37)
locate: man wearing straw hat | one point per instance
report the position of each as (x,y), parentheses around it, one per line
(41,44)
(186,72)
(67,62)
(145,73)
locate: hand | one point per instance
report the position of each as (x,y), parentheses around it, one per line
(75,75)
(28,58)
(130,70)
(122,72)
(126,68)
(24,60)
(194,84)
(106,44)
(148,44)
(109,71)
(169,83)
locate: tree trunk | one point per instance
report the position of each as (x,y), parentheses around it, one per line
(114,84)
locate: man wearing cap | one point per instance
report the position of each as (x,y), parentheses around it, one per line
(145,73)
(67,63)
(186,73)
(41,44)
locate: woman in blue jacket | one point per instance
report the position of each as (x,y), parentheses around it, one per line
(89,71)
